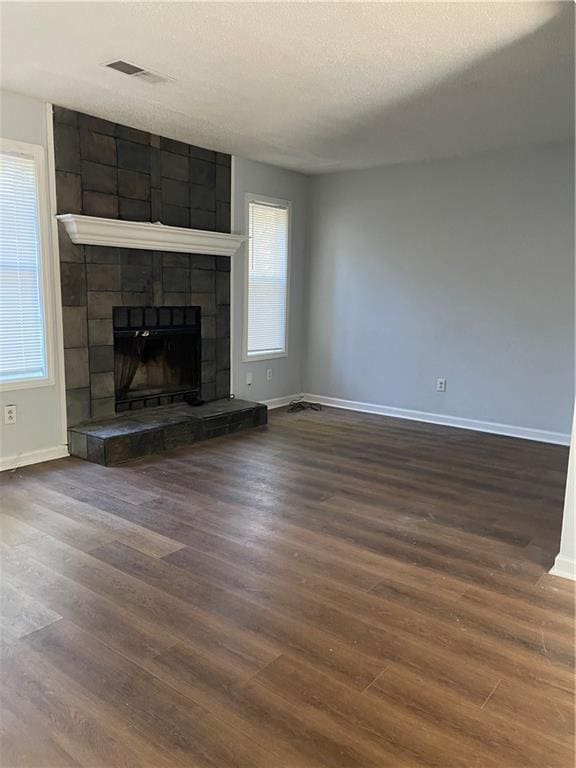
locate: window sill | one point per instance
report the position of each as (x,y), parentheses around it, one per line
(257,357)
(12,386)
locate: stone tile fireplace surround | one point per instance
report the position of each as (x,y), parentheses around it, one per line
(96,279)
(112,171)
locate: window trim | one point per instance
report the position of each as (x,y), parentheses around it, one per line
(252,357)
(38,153)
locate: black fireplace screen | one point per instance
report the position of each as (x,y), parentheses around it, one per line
(157,355)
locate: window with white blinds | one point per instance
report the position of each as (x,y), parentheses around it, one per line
(22,332)
(268,230)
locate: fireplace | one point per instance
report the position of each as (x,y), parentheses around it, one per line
(157,356)
(145,250)
(112,182)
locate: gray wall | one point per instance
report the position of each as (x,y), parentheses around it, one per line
(39,430)
(261,179)
(462,269)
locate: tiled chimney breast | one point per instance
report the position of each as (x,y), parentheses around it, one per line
(109,170)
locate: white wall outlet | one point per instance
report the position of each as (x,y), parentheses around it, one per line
(9,414)
(249,378)
(440,385)
(268,374)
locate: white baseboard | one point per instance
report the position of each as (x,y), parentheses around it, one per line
(280,402)
(564,567)
(33,457)
(526,433)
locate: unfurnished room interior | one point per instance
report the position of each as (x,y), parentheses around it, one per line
(287,357)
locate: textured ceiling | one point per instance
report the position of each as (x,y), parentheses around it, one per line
(311,86)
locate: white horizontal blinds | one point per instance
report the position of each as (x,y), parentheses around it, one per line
(22,342)
(267,277)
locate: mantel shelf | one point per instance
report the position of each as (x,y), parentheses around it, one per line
(91,230)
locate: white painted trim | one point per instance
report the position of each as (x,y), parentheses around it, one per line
(33,457)
(92,230)
(247,357)
(280,402)
(564,564)
(525,433)
(256,357)
(58,327)
(564,568)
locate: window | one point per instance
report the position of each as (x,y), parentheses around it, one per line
(23,356)
(267,277)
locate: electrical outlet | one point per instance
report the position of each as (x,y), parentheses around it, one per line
(268,374)
(440,385)
(249,378)
(9,414)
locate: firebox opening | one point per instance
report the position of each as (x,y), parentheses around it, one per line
(157,356)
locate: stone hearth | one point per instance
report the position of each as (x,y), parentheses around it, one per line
(154,430)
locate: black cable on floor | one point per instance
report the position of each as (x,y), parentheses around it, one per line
(301,405)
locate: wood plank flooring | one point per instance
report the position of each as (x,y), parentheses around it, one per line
(336,590)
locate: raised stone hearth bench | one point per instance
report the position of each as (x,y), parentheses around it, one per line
(154,430)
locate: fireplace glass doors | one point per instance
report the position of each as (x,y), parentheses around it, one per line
(157,355)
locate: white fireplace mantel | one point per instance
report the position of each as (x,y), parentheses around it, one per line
(91,230)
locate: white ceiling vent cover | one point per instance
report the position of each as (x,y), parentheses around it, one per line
(133,70)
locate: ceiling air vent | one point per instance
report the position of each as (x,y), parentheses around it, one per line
(125,67)
(132,70)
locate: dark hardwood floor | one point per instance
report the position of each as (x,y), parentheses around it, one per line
(334,591)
